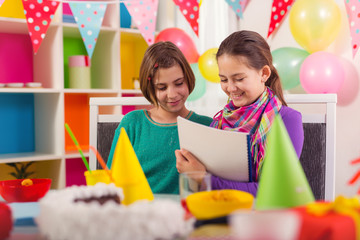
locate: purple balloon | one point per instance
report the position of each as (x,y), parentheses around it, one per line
(322,72)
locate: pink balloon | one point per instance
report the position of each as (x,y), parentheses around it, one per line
(182,40)
(350,88)
(322,72)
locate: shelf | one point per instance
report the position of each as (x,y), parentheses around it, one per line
(75,154)
(28,90)
(27,157)
(91,91)
(131,91)
(13,25)
(33,129)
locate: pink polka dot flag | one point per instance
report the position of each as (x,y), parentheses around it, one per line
(39,14)
(278,12)
(144,15)
(190,10)
(238,6)
(1,2)
(353,12)
(89,17)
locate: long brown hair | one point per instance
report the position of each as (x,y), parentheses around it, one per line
(256,50)
(162,55)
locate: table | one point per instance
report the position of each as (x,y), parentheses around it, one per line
(336,228)
(25,228)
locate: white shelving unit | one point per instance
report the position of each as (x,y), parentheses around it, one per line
(55,103)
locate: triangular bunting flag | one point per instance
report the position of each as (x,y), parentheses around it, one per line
(89,17)
(353,13)
(38,17)
(243,4)
(1,2)
(127,172)
(190,10)
(278,12)
(238,6)
(283,183)
(144,14)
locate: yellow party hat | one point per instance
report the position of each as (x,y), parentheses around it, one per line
(283,183)
(127,172)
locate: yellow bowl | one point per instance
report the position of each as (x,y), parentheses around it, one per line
(218,203)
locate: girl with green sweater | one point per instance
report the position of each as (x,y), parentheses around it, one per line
(166,80)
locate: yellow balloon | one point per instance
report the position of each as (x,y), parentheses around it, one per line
(314,24)
(200,2)
(208,65)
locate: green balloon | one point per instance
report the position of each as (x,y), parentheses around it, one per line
(200,83)
(288,62)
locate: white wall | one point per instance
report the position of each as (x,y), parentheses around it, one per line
(217,21)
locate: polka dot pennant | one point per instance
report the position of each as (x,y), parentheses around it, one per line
(190,10)
(278,12)
(89,17)
(238,6)
(1,2)
(353,12)
(39,14)
(144,15)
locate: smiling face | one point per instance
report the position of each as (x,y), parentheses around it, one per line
(242,84)
(171,89)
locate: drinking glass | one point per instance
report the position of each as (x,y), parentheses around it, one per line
(192,182)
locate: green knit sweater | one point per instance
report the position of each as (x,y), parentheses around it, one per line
(155,144)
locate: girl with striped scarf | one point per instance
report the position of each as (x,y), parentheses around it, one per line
(248,77)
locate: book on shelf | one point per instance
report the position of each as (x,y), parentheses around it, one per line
(224,153)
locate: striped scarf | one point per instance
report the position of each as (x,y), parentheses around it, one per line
(255,119)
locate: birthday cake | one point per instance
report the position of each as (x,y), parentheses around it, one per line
(96,212)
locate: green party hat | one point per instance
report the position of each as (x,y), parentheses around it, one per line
(283,183)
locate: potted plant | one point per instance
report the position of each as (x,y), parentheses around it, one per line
(21,170)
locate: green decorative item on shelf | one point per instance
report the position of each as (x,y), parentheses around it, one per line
(21,170)
(79,72)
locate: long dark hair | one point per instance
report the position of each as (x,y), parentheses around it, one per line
(256,50)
